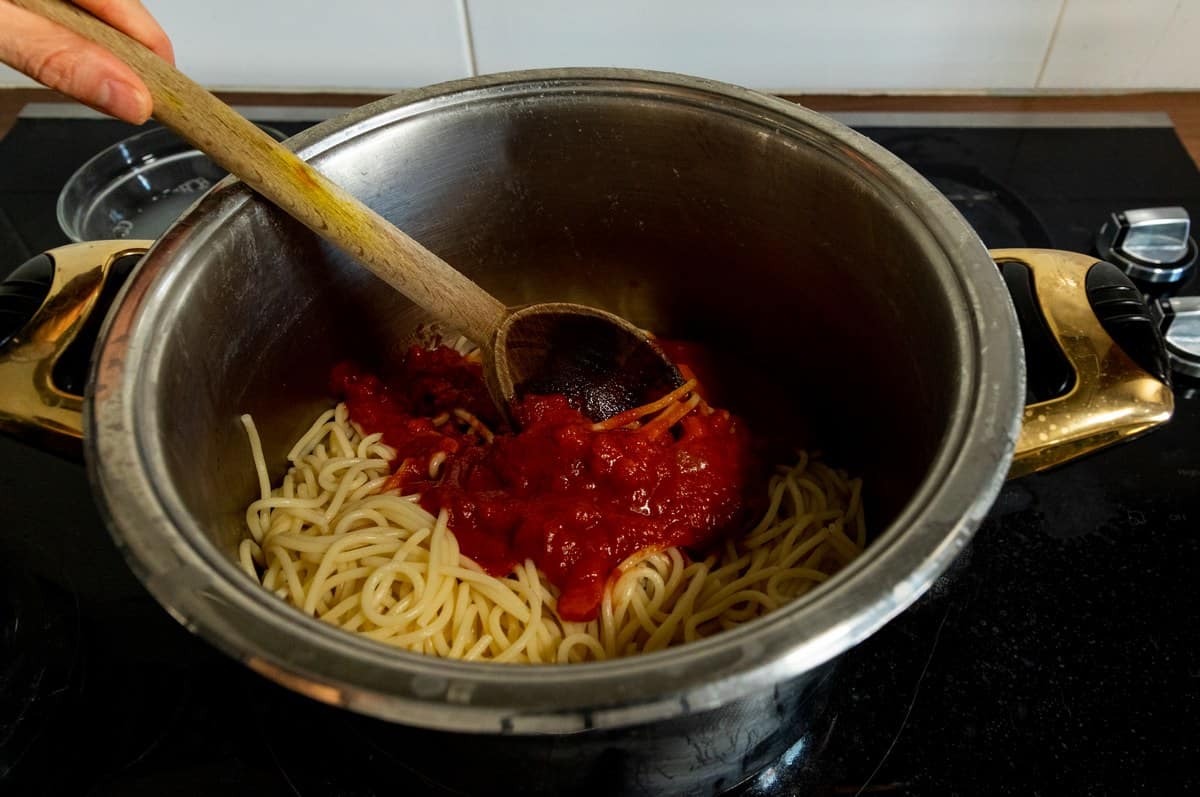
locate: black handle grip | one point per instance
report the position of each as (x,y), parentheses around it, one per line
(1125,316)
(22,293)
(1048,374)
(1119,307)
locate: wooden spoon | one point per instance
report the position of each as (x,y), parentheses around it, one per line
(599,360)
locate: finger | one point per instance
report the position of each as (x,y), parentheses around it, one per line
(131,17)
(56,57)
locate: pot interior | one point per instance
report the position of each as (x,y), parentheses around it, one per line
(789,255)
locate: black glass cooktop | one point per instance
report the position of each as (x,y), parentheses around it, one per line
(1057,657)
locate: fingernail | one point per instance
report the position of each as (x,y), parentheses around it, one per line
(122,101)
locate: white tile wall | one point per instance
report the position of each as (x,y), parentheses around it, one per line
(775,44)
(789,45)
(1126,44)
(373,44)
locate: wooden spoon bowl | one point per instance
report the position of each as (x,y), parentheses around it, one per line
(601,362)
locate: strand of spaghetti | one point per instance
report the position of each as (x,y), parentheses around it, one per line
(246,557)
(384,610)
(435,463)
(369,487)
(772,533)
(670,417)
(662,636)
(653,591)
(260,468)
(269,574)
(630,575)
(464,623)
(326,580)
(295,504)
(401,511)
(522,641)
(792,574)
(328,561)
(470,420)
(829,480)
(433,576)
(800,551)
(643,615)
(419,635)
(345,576)
(628,634)
(629,416)
(291,578)
(484,608)
(306,543)
(814,491)
(285,521)
(296,507)
(842,544)
(667,410)
(333,473)
(572,641)
(440,619)
(338,438)
(361,518)
(437,645)
(351,481)
(314,432)
(487,586)
(775,499)
(752,576)
(675,567)
(495,627)
(367,444)
(338,609)
(477,649)
(457,633)
(309,488)
(699,616)
(608,625)
(797,496)
(814,559)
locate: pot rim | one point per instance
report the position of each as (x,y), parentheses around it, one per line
(212,597)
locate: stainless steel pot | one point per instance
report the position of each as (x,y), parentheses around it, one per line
(696,209)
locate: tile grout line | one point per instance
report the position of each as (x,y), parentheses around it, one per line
(1062,10)
(464,16)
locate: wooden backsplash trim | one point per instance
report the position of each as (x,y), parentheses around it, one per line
(1183,107)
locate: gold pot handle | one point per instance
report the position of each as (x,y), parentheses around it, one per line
(32,406)
(1115,389)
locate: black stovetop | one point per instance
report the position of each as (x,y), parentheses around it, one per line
(1059,655)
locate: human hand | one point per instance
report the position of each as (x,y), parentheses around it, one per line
(62,60)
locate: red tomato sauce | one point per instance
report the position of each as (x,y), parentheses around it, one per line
(577,502)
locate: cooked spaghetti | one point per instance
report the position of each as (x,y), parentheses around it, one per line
(337,540)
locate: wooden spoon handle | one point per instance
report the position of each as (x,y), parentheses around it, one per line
(304,193)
